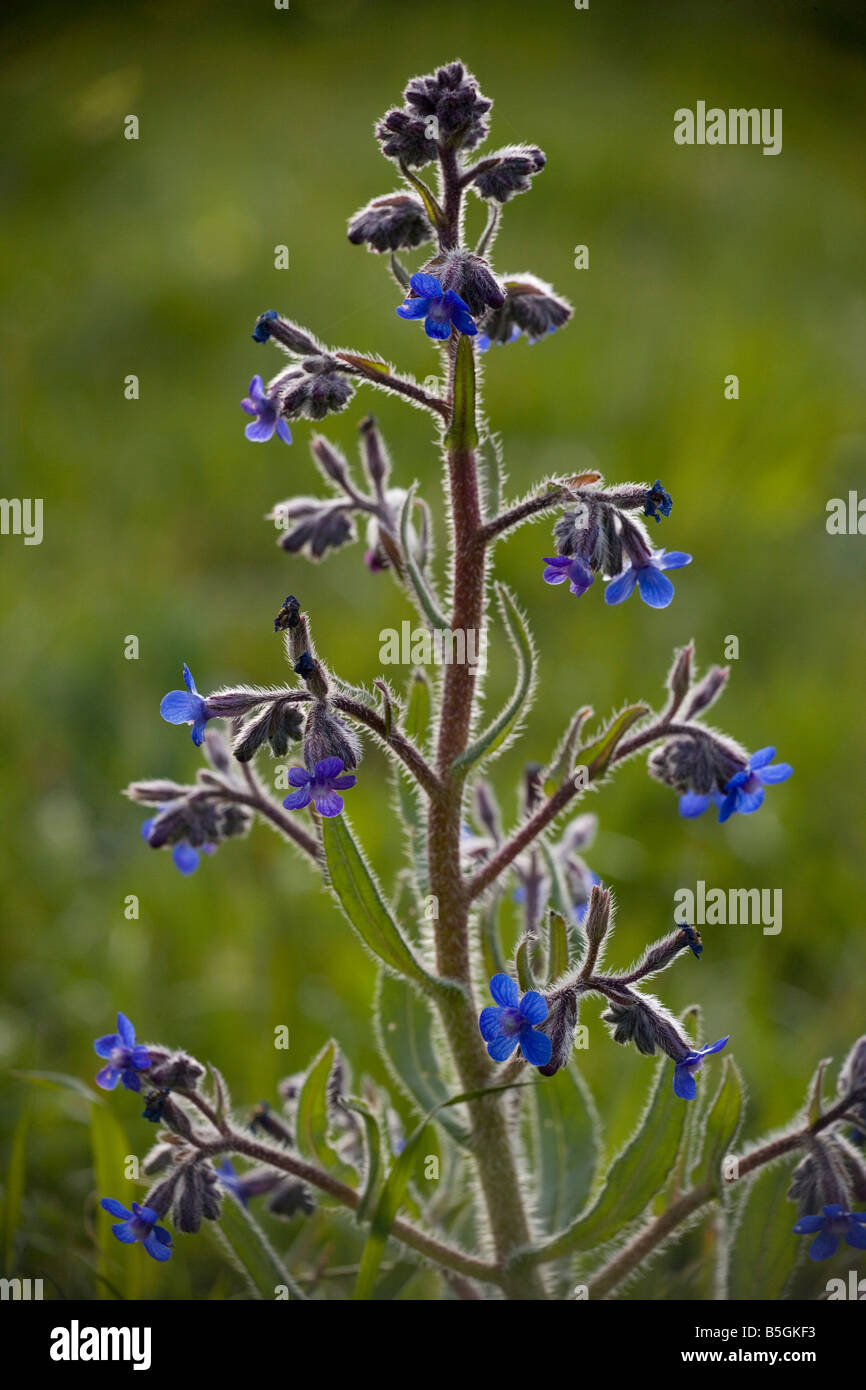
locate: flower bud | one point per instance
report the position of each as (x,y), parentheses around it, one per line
(706,692)
(392,223)
(179,1072)
(560,1026)
(531,307)
(291,1197)
(288,335)
(512,172)
(376,460)
(469,276)
(326,736)
(702,762)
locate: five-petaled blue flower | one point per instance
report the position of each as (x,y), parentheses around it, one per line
(266,410)
(656,589)
(570,567)
(658,502)
(140,1224)
(125,1058)
(684,1071)
(185,856)
(187,707)
(440,309)
(745,791)
(513,1023)
(829,1229)
(321,786)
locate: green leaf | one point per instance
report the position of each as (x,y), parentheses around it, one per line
(522,962)
(763,1249)
(597,755)
(14,1187)
(491,944)
(243,1241)
(562,762)
(557,949)
(722,1127)
(362,902)
(394,1190)
(416,720)
(497,733)
(63,1081)
(637,1174)
(369,364)
(567,1148)
(313,1121)
(427,601)
(432,208)
(110,1149)
(374,1156)
(462,433)
(405,1030)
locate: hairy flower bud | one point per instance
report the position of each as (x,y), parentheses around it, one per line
(375,455)
(706,692)
(326,736)
(405,137)
(196,1198)
(469,276)
(820,1178)
(287,334)
(314,525)
(179,1072)
(508,171)
(702,762)
(531,306)
(560,1026)
(319,390)
(452,100)
(642,1020)
(392,223)
(281,724)
(291,1197)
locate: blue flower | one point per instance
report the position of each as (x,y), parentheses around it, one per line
(829,1229)
(658,502)
(513,1023)
(440,309)
(140,1224)
(262,332)
(745,791)
(684,1071)
(185,856)
(320,786)
(124,1057)
(232,1182)
(485,341)
(656,589)
(693,937)
(266,410)
(187,707)
(570,567)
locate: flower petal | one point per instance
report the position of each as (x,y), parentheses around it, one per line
(685,1085)
(185,857)
(490,1023)
(505,991)
(177,707)
(673,560)
(296,801)
(284,432)
(342,784)
(747,802)
(107,1078)
(533,1007)
(779,772)
(156,1248)
(823,1246)
(299,776)
(713,1047)
(856,1236)
(115,1208)
(124,1233)
(426,285)
(414,309)
(437,328)
(328,803)
(808,1225)
(536,1047)
(656,589)
(262,429)
(728,807)
(761,758)
(693,804)
(103,1047)
(501,1048)
(621,588)
(328,768)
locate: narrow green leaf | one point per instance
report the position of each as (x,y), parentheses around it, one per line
(374,1156)
(497,733)
(432,208)
(567,1148)
(463,433)
(723,1124)
(557,947)
(14,1188)
(491,943)
(427,601)
(416,720)
(405,1031)
(110,1149)
(370,364)
(525,977)
(763,1248)
(362,902)
(638,1173)
(63,1081)
(243,1241)
(563,757)
(597,755)
(312,1121)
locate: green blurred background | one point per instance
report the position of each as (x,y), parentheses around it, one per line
(154,257)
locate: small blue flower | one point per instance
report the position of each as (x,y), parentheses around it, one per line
(693,937)
(262,332)
(829,1229)
(320,786)
(124,1057)
(745,791)
(570,567)
(684,1072)
(266,410)
(187,707)
(140,1224)
(185,856)
(513,1023)
(440,309)
(658,502)
(656,589)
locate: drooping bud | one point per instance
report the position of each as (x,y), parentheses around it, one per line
(642,1020)
(314,525)
(178,1072)
(392,223)
(287,334)
(701,762)
(819,1179)
(376,460)
(509,171)
(560,1026)
(706,692)
(450,105)
(160,1197)
(319,390)
(679,677)
(531,306)
(197,1197)
(469,276)
(326,736)
(281,724)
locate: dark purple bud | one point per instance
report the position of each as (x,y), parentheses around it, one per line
(404,136)
(451,97)
(287,334)
(330,460)
(702,763)
(393,223)
(510,171)
(263,1118)
(376,460)
(157,792)
(326,736)
(706,692)
(179,1072)
(314,526)
(560,1026)
(469,276)
(531,307)
(292,1197)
